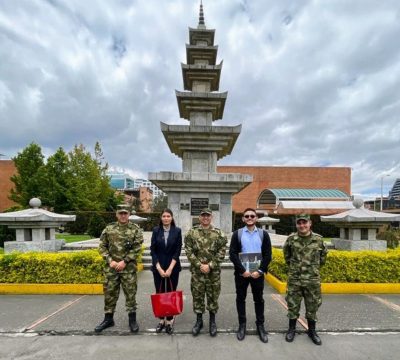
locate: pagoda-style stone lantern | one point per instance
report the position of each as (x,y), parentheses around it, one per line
(358,227)
(34,228)
(265,221)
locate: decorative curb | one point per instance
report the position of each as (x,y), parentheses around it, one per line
(59,289)
(342,288)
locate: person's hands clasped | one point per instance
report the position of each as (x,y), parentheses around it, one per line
(120,265)
(246,274)
(255,275)
(168,272)
(161,271)
(205,268)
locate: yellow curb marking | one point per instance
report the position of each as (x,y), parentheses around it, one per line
(63,307)
(280,300)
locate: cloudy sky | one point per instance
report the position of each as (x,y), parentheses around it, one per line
(313,83)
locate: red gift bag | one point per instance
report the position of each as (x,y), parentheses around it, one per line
(167,304)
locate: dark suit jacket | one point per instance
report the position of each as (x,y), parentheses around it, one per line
(164,254)
(236,247)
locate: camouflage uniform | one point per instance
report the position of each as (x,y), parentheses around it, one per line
(304,256)
(205,246)
(120,242)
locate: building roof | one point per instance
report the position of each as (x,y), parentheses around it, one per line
(316,205)
(274,196)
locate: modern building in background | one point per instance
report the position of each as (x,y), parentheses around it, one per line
(123,181)
(395,192)
(292,190)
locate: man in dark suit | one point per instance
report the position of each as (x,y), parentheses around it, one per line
(250,239)
(166,245)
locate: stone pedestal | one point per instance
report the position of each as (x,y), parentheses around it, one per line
(344,244)
(39,246)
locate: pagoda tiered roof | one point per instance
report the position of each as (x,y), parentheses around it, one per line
(183,138)
(202,102)
(206,35)
(202,53)
(201,72)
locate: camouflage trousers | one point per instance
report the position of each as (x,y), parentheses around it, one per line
(113,280)
(205,285)
(312,300)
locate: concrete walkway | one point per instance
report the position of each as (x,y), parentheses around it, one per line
(61,327)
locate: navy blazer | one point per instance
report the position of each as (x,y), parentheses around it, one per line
(164,254)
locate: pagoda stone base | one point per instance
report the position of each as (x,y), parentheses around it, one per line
(38,246)
(344,244)
(182,206)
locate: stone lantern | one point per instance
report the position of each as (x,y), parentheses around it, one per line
(34,228)
(265,221)
(358,227)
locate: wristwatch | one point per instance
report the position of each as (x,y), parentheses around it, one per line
(260,272)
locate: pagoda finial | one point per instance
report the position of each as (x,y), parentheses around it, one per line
(202,24)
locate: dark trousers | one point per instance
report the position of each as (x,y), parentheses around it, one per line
(160,283)
(257,288)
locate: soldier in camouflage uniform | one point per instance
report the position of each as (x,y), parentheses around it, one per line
(205,248)
(304,253)
(120,245)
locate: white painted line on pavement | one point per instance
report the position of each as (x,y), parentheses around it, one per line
(385,302)
(63,307)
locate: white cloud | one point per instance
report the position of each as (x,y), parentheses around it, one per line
(312,82)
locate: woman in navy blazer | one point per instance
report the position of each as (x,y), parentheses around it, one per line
(166,245)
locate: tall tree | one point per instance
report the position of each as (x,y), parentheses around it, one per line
(88,185)
(30,176)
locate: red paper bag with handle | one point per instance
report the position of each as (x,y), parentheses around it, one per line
(168,303)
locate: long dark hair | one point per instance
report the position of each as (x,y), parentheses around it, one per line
(169,211)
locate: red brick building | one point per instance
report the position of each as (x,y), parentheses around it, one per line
(285,177)
(7,169)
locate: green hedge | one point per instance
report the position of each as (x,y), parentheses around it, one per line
(350,266)
(84,267)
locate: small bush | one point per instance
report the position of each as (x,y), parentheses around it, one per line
(392,237)
(84,267)
(350,266)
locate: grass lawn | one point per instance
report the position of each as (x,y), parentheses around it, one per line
(73,238)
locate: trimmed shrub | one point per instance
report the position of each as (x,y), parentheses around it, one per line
(392,237)
(84,267)
(350,266)
(96,225)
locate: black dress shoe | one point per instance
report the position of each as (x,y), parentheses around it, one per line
(241,333)
(160,327)
(106,323)
(169,329)
(262,334)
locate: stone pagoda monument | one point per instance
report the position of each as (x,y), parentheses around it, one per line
(200,144)
(358,227)
(34,229)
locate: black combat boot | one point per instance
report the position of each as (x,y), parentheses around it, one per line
(133,325)
(241,333)
(262,334)
(312,333)
(213,325)
(106,323)
(198,325)
(291,333)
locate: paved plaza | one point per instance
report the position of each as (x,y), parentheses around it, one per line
(61,327)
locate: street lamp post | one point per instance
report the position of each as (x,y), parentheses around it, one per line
(382,190)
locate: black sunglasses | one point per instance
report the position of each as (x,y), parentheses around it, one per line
(249,216)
